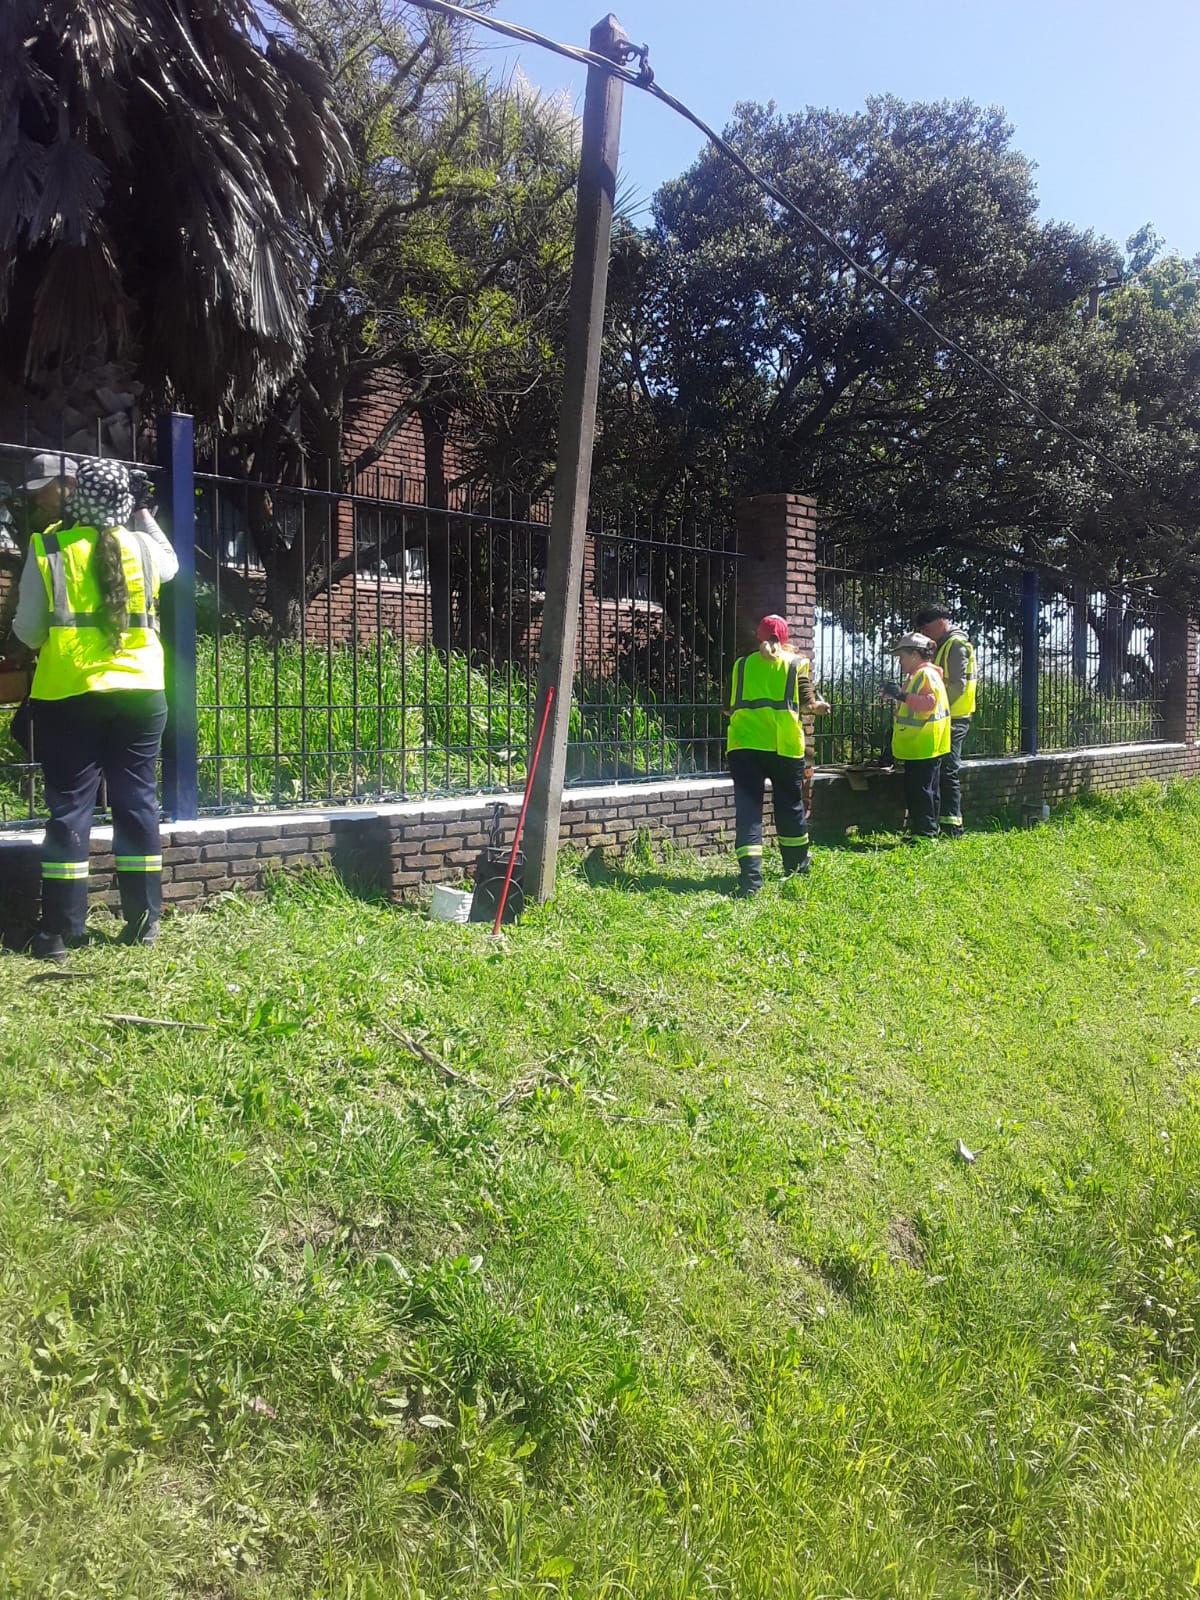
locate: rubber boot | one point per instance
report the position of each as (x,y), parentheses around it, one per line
(750,877)
(796,860)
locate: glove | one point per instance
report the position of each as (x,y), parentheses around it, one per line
(142,489)
(892,690)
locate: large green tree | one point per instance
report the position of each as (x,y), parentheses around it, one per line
(747,356)
(442,256)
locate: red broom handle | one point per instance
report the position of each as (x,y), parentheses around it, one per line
(512,860)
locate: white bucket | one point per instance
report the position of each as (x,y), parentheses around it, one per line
(450,905)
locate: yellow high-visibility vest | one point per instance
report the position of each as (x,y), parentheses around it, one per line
(917,736)
(964,706)
(78,656)
(765,704)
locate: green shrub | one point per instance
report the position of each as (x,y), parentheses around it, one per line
(289,723)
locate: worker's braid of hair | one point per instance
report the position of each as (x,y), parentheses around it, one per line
(108,569)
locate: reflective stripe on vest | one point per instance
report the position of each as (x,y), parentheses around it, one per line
(917,737)
(964,706)
(790,701)
(61,615)
(768,716)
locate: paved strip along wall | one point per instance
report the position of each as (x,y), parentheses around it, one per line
(396,849)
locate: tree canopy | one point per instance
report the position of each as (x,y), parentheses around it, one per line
(441,254)
(746,356)
(159,166)
(261,210)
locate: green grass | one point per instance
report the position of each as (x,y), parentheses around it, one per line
(686,1292)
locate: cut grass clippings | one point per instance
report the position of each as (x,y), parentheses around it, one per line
(675,1281)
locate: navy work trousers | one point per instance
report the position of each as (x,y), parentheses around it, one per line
(922,796)
(750,771)
(115,736)
(951,776)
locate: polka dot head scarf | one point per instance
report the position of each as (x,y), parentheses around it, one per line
(102,497)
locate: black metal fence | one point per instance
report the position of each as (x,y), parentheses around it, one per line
(362,643)
(860,613)
(1095,675)
(1101,669)
(356,643)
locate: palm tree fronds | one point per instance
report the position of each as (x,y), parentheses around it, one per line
(169,155)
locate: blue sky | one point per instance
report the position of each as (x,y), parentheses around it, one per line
(1103,93)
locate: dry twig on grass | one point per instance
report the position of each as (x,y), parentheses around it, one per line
(529,1085)
(423,1053)
(157,1022)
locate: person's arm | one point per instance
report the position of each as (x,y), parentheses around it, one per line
(956,670)
(922,702)
(810,700)
(31,623)
(165,558)
(727,706)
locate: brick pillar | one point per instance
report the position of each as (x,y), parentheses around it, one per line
(1181,688)
(777,538)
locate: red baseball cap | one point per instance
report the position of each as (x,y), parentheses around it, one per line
(773,627)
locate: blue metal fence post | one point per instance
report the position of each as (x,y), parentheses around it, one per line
(1031,607)
(176,454)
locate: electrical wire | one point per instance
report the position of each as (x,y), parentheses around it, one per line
(644,79)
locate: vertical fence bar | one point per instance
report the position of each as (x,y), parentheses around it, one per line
(1030,613)
(181,782)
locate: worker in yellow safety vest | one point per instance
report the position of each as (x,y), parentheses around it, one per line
(88,603)
(954,654)
(920,730)
(769,691)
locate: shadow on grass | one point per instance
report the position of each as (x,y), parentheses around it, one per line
(632,876)
(864,844)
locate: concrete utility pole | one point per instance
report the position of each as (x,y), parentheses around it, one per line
(576,430)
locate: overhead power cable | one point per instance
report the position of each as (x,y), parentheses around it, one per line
(643,79)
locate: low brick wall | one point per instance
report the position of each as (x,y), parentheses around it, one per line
(866,800)
(389,849)
(395,849)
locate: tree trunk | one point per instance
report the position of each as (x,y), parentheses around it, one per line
(1079,634)
(437,557)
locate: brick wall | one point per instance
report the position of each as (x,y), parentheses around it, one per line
(777,536)
(865,799)
(392,849)
(362,608)
(368,413)
(395,849)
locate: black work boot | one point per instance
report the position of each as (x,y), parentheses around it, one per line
(796,860)
(144,931)
(750,877)
(48,947)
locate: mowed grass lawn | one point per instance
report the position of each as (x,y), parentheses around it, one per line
(678,1287)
